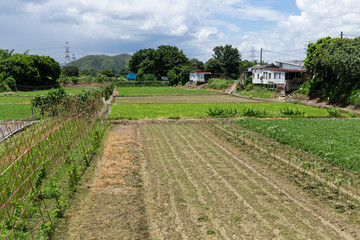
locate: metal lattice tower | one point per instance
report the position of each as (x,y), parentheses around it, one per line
(253,56)
(67,53)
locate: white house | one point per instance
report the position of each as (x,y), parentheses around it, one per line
(200,76)
(283,79)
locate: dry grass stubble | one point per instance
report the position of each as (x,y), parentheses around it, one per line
(113,208)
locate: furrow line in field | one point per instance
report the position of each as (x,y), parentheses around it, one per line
(216,195)
(228,185)
(180,178)
(351,194)
(174,147)
(268,200)
(169,193)
(150,177)
(312,212)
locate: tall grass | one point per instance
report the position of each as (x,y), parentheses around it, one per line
(219,84)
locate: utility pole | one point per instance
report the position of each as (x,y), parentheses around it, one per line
(342,35)
(261,53)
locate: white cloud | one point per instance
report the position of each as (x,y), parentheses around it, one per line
(196,26)
(317,19)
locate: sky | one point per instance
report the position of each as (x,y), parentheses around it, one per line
(282,28)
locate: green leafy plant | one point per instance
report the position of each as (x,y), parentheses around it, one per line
(291,112)
(334,112)
(222,112)
(250,112)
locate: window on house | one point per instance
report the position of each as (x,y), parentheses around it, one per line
(258,76)
(269,75)
(275,75)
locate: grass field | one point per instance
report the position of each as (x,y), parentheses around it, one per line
(72,90)
(198,110)
(14,99)
(15,112)
(128,91)
(218,98)
(25,97)
(334,140)
(220,179)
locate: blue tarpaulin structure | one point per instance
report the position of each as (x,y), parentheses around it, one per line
(131,76)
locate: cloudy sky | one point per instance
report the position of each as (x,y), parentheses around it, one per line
(282,28)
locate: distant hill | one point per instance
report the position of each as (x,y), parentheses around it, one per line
(102,62)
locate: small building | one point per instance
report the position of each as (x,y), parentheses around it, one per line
(131,76)
(200,77)
(285,80)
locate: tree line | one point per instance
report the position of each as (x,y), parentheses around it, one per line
(169,61)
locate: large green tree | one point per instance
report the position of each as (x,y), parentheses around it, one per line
(167,57)
(70,71)
(230,58)
(31,70)
(159,62)
(141,59)
(214,66)
(335,65)
(199,65)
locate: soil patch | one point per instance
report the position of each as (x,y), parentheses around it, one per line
(112,206)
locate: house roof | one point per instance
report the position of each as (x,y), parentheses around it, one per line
(285,70)
(298,63)
(202,72)
(265,66)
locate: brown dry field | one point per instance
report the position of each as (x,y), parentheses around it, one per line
(213,98)
(195,180)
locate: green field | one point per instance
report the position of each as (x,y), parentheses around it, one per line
(72,90)
(198,110)
(14,99)
(25,97)
(128,91)
(15,112)
(203,98)
(335,140)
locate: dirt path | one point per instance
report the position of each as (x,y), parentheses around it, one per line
(112,206)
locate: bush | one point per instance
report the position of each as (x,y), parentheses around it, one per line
(219,84)
(125,83)
(334,112)
(290,112)
(150,78)
(248,80)
(250,112)
(222,113)
(304,88)
(70,71)
(74,80)
(249,87)
(355,98)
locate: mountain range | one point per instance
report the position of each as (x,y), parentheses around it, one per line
(102,62)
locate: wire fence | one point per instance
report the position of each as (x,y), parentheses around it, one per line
(42,156)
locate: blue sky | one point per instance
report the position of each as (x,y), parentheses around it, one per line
(282,27)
